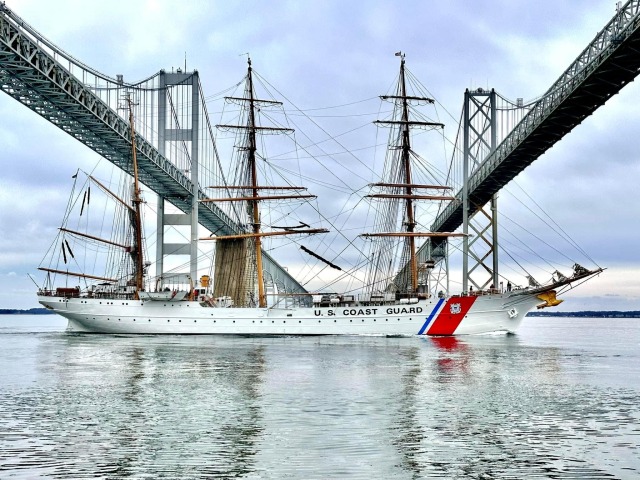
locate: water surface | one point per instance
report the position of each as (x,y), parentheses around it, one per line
(561,399)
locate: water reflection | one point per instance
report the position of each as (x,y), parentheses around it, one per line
(408,433)
(447,344)
(452,363)
(187,405)
(329,407)
(494,408)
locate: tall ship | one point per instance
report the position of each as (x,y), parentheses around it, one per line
(397,297)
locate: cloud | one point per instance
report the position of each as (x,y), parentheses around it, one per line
(319,54)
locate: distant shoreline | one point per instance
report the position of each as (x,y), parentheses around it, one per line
(588,313)
(31,311)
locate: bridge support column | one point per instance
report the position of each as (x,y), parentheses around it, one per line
(186,136)
(480,224)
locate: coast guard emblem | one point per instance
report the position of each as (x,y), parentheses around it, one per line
(455,308)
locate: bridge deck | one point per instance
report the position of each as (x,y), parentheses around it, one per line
(610,62)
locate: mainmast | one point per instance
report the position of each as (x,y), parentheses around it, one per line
(137,217)
(254,188)
(262,298)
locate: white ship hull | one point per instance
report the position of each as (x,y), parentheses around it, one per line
(457,315)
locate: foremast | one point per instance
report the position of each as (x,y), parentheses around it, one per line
(404,181)
(406,149)
(254,189)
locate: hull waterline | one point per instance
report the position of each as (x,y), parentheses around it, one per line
(458,315)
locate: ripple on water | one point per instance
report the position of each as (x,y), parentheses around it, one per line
(203,407)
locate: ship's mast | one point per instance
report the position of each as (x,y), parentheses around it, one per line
(402,101)
(134,213)
(406,150)
(262,298)
(137,217)
(253,199)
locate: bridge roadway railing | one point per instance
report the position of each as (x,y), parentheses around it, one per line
(31,74)
(608,63)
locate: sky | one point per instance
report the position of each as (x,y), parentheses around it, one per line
(326,53)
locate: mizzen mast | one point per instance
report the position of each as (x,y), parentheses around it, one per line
(137,251)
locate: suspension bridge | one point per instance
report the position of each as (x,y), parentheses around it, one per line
(604,67)
(177,152)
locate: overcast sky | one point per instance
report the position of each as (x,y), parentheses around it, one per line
(325,53)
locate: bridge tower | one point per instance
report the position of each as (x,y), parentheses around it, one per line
(184,131)
(480,244)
